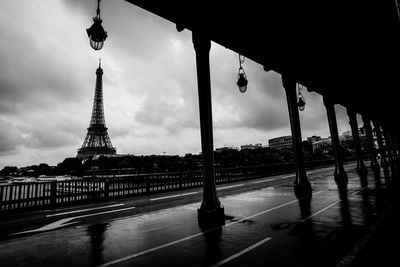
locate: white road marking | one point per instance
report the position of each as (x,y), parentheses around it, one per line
(198,234)
(273,179)
(240,253)
(153,229)
(320,170)
(180,195)
(286,176)
(230,186)
(78,211)
(328,168)
(51,226)
(329,206)
(320,211)
(150,250)
(63,222)
(263,181)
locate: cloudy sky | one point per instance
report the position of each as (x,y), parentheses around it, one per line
(47,80)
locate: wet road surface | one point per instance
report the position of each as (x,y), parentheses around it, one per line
(265,225)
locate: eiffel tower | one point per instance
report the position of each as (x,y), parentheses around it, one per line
(97,141)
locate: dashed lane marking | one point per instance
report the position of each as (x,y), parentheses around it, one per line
(264,181)
(230,186)
(78,211)
(240,253)
(172,196)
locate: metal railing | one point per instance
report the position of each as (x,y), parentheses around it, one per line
(51,194)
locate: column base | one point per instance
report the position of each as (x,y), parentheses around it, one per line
(341,178)
(362,172)
(393,169)
(386,173)
(377,172)
(303,190)
(211,218)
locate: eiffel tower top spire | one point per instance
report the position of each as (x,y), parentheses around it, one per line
(97,141)
(98,118)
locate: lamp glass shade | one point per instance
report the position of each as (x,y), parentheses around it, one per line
(301,104)
(242,83)
(97,35)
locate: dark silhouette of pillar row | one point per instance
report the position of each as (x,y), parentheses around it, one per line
(210,210)
(384,163)
(390,151)
(395,144)
(396,148)
(340,174)
(361,169)
(371,147)
(302,186)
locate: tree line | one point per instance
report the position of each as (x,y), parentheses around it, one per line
(228,157)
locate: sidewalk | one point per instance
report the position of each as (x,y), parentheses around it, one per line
(381,247)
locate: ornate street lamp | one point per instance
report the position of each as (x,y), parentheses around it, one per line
(242,79)
(96,33)
(301,103)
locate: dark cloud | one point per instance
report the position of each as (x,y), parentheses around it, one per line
(10,137)
(171,113)
(86,6)
(34,78)
(262,107)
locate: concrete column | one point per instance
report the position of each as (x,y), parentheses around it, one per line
(340,174)
(390,151)
(371,147)
(395,143)
(210,210)
(384,163)
(302,186)
(361,169)
(393,138)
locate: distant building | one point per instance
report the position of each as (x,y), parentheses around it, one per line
(283,142)
(312,140)
(251,146)
(322,143)
(361,131)
(224,148)
(349,136)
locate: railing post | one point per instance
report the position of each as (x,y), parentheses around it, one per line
(1,198)
(53,193)
(106,189)
(180,178)
(147,179)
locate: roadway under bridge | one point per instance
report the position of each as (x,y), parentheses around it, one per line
(264,224)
